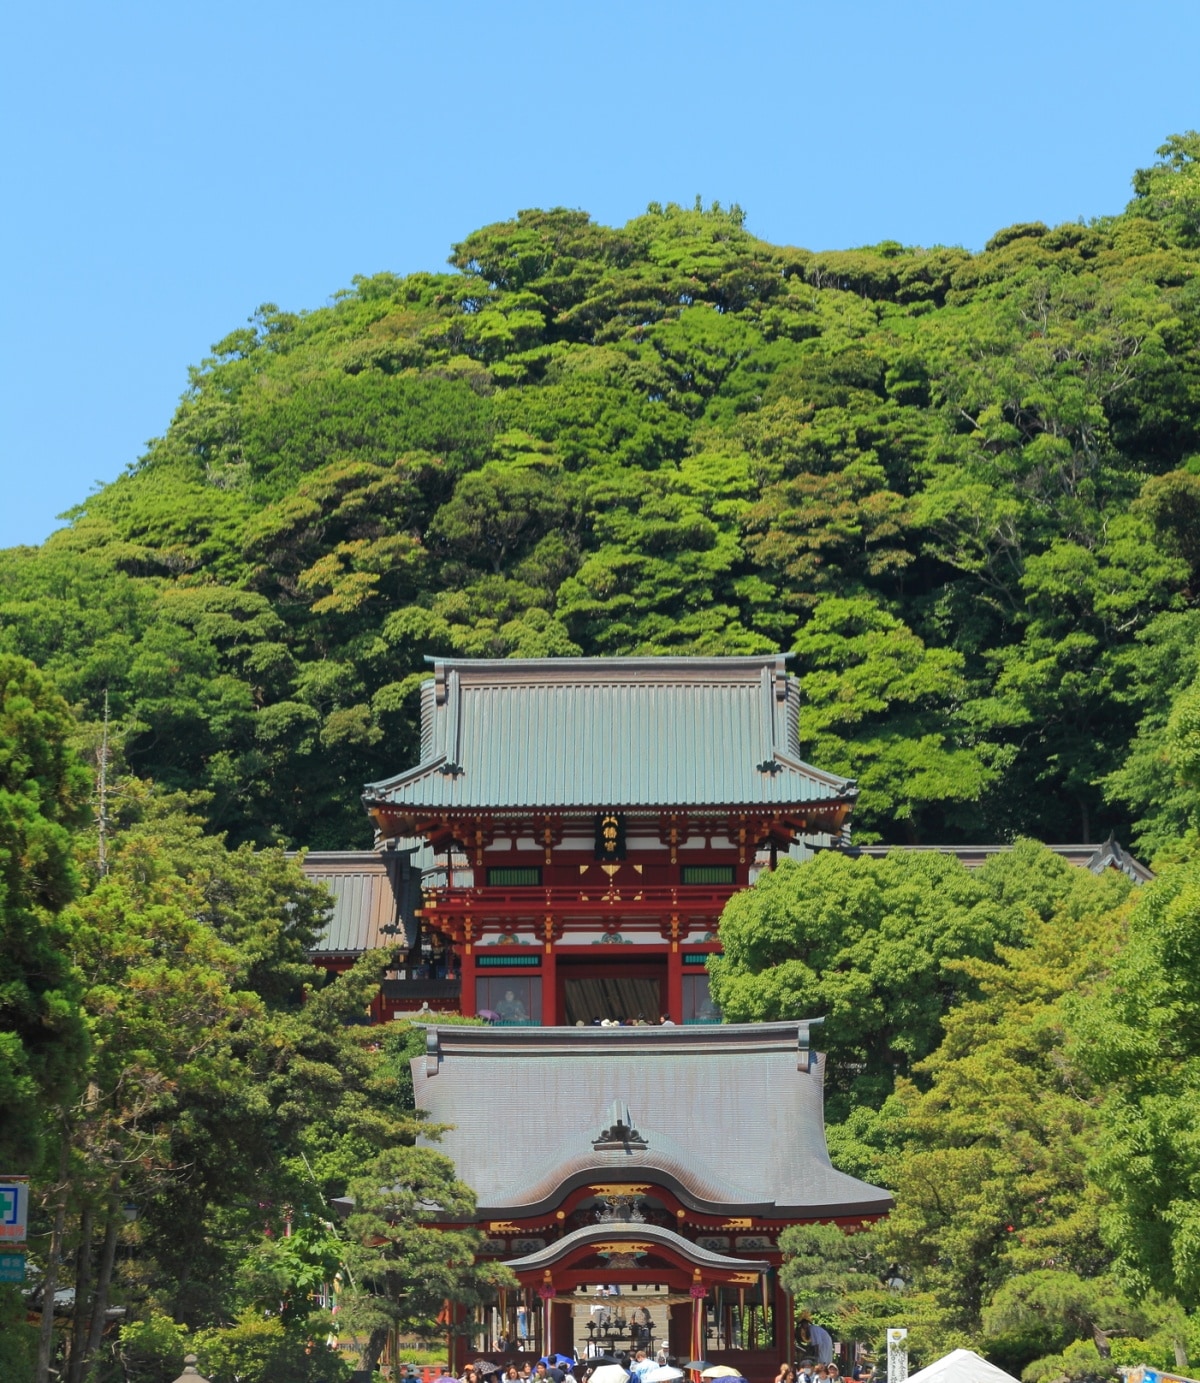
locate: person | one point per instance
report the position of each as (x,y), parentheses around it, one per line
(511,1009)
(511,1375)
(640,1364)
(645,1322)
(817,1337)
(786,1374)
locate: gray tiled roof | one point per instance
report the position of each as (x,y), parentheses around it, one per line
(1096,858)
(612,732)
(731,1115)
(368,893)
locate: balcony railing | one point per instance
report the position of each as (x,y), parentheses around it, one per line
(602,899)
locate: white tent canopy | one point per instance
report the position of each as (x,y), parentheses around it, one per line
(961,1366)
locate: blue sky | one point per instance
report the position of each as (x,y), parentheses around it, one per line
(167,168)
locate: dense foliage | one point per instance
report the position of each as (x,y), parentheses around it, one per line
(1018,1079)
(191,1093)
(963,489)
(960,487)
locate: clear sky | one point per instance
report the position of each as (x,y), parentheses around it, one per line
(169,167)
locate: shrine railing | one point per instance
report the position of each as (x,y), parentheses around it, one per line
(600,901)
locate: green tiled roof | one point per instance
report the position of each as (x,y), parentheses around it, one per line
(369,907)
(624,733)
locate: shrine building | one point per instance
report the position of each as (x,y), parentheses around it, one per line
(664,1161)
(556,865)
(583,822)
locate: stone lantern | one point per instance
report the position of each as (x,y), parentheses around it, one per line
(190,1374)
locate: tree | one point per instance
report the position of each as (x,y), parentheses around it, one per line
(875,945)
(1140,1041)
(406,1267)
(987,1145)
(44,792)
(878,708)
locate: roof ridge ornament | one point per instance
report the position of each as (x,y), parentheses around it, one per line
(620,1133)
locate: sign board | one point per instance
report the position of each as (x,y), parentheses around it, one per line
(12,1267)
(14,1209)
(897,1355)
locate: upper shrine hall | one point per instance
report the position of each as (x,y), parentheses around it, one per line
(583,821)
(564,848)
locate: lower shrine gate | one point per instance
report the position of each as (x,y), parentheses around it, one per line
(633,1158)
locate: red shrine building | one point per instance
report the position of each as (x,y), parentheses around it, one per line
(556,864)
(586,821)
(661,1160)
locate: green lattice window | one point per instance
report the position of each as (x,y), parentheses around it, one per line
(514,876)
(707,873)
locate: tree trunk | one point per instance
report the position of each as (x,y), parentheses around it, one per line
(50,1281)
(83,1292)
(1181,1354)
(375,1343)
(108,1257)
(185,1278)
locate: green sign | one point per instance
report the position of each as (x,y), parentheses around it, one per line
(12,1267)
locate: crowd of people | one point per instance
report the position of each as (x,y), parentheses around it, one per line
(580,1370)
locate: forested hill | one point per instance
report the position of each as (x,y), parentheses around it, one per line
(963,488)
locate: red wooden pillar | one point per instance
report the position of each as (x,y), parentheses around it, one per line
(467,998)
(562,1327)
(785,1325)
(549,981)
(675,983)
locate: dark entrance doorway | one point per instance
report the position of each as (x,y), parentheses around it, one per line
(624,990)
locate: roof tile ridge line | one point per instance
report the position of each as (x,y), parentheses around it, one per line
(510,672)
(742,660)
(337,854)
(769,740)
(454,710)
(820,774)
(633,1230)
(410,775)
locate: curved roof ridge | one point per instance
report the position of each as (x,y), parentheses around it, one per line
(626,1231)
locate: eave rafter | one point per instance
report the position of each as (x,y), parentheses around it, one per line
(748,827)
